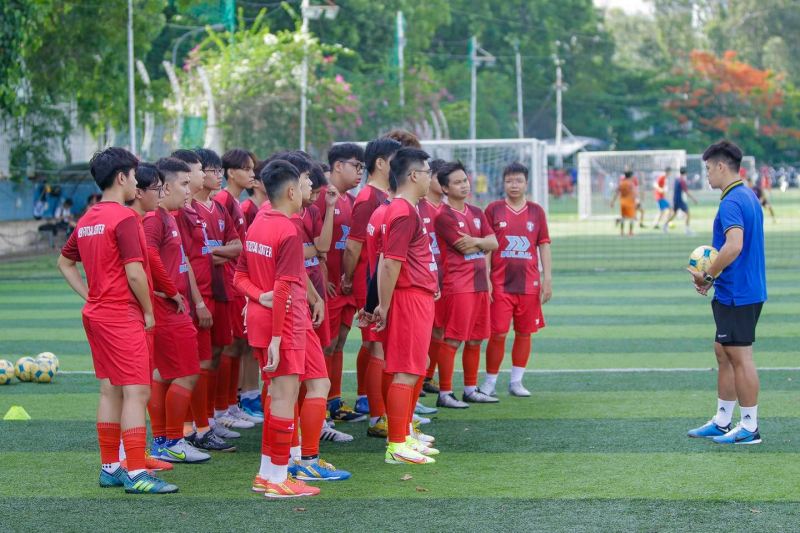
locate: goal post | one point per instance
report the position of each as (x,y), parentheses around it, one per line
(600,172)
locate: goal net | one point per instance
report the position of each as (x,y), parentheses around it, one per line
(599,174)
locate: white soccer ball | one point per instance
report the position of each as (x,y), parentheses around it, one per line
(44,372)
(25,368)
(6,372)
(51,358)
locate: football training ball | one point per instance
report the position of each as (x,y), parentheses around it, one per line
(44,372)
(6,372)
(51,358)
(25,368)
(701,258)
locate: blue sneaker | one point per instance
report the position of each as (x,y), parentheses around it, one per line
(739,435)
(341,412)
(708,430)
(252,406)
(319,470)
(362,406)
(293,467)
(117,479)
(144,483)
(157,449)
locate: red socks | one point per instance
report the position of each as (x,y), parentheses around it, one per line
(296,432)
(265,402)
(280,439)
(233,383)
(495,351)
(108,439)
(156,407)
(447,361)
(223,382)
(200,401)
(413,403)
(177,404)
(471,359)
(312,416)
(211,385)
(400,397)
(362,360)
(135,442)
(374,387)
(433,355)
(521,350)
(337,362)
(386,382)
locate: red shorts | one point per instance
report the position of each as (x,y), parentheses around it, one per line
(342,310)
(438,317)
(176,350)
(308,363)
(526,309)
(151,349)
(120,352)
(407,340)
(466,316)
(323,331)
(235,306)
(204,334)
(221,334)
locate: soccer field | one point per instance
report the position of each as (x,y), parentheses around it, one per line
(592,450)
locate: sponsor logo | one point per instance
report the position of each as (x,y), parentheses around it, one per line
(174,233)
(336,211)
(517,248)
(502,224)
(426,220)
(476,255)
(221,225)
(311,262)
(371,230)
(341,244)
(91,231)
(258,248)
(460,224)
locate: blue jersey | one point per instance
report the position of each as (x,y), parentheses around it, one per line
(744,281)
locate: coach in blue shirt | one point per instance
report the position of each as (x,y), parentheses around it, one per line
(738,276)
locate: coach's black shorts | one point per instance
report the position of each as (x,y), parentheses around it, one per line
(736,325)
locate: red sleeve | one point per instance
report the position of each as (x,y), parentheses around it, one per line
(241,280)
(489,214)
(447,227)
(279,298)
(290,255)
(231,234)
(320,201)
(361,213)
(544,232)
(127,234)
(316,223)
(486,229)
(70,249)
(399,233)
(161,280)
(153,231)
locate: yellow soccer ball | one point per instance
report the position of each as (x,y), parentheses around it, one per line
(44,372)
(702,257)
(51,358)
(24,368)
(6,372)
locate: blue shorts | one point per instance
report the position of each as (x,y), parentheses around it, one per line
(663,204)
(680,205)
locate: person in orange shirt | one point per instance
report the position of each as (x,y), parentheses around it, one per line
(626,192)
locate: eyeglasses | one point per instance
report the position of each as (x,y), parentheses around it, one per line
(217,171)
(357,164)
(156,188)
(429,171)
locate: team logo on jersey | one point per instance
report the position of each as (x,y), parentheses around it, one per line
(477,222)
(371,230)
(426,220)
(241,221)
(529,225)
(502,224)
(336,211)
(341,244)
(221,225)
(518,248)
(174,233)
(460,224)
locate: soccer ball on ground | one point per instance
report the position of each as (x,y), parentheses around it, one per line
(24,368)
(51,358)
(701,258)
(6,372)
(45,372)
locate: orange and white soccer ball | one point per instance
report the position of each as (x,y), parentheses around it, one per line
(701,258)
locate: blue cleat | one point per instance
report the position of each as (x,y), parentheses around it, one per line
(319,470)
(252,406)
(293,467)
(144,483)
(117,479)
(341,412)
(157,450)
(362,406)
(739,435)
(708,430)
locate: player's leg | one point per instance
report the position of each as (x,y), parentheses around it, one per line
(251,401)
(362,361)
(377,408)
(479,330)
(437,338)
(746,431)
(501,311)
(339,410)
(109,433)
(456,331)
(241,352)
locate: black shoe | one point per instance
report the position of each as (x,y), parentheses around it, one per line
(213,443)
(430,386)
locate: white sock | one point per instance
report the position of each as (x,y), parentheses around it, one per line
(122,455)
(443,393)
(218,413)
(491,379)
(251,394)
(373,420)
(133,473)
(294,452)
(266,467)
(110,467)
(749,417)
(212,422)
(516,373)
(361,396)
(279,473)
(469,389)
(724,412)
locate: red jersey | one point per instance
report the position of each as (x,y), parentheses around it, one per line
(311,227)
(428,211)
(218,230)
(249,210)
(193,236)
(342,217)
(234,210)
(273,251)
(108,237)
(368,200)
(161,232)
(462,273)
(407,240)
(374,243)
(659,192)
(515,264)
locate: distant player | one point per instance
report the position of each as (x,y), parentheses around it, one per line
(519,289)
(626,192)
(118,313)
(678,203)
(760,187)
(464,236)
(660,195)
(740,290)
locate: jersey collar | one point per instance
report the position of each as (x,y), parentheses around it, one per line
(730,187)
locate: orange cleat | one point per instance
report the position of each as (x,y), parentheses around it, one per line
(259,484)
(291,488)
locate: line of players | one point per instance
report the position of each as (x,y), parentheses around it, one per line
(174,280)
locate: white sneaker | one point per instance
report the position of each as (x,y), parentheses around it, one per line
(488,389)
(334,435)
(421,419)
(183,452)
(236,412)
(421,447)
(229,421)
(427,440)
(477,396)
(689,232)
(221,431)
(515,388)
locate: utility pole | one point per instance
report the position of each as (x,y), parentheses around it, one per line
(559,115)
(401,45)
(520,125)
(304,76)
(131,91)
(477,55)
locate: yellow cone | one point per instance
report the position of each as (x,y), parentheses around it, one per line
(17,412)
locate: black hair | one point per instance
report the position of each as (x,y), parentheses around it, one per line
(209,158)
(343,152)
(379,149)
(448,168)
(325,167)
(682,170)
(317,176)
(147,175)
(106,164)
(725,151)
(300,161)
(187,156)
(516,168)
(628,173)
(236,158)
(436,164)
(68,202)
(276,175)
(170,166)
(401,164)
